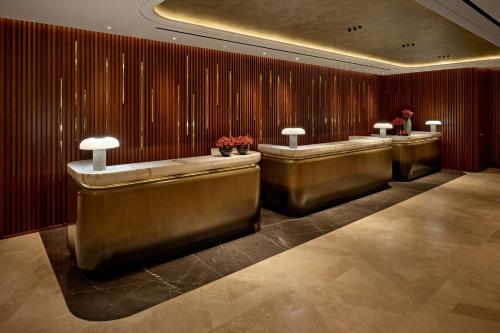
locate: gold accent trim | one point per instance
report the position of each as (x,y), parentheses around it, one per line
(312,108)
(141,107)
(278,102)
(84,111)
(61,122)
(77,115)
(230,108)
(237,106)
(123,78)
(207,104)
(254,108)
(217,86)
(319,92)
(193,133)
(260,107)
(164,178)
(178,119)
(270,89)
(152,105)
(106,96)
(325,109)
(187,95)
(290,98)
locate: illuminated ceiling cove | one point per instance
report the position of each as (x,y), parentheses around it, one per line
(398,32)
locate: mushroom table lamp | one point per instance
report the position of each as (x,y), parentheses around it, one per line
(292,133)
(433,124)
(98,147)
(383,127)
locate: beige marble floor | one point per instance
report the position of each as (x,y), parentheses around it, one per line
(428,264)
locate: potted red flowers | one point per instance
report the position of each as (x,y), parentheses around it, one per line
(397,123)
(225,145)
(242,144)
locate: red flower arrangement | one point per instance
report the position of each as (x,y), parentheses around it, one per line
(404,133)
(398,121)
(243,140)
(407,113)
(225,142)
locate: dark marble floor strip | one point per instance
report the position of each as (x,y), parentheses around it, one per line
(125,293)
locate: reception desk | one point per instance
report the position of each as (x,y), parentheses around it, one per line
(135,211)
(416,155)
(296,181)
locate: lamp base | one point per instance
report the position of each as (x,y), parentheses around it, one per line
(292,141)
(383,132)
(433,128)
(99,159)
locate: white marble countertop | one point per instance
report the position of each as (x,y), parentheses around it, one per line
(82,171)
(414,136)
(354,143)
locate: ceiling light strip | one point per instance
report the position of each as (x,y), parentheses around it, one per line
(272,49)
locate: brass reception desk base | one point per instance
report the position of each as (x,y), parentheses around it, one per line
(415,159)
(300,186)
(133,221)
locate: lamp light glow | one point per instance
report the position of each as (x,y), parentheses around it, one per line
(383,127)
(292,133)
(433,124)
(98,145)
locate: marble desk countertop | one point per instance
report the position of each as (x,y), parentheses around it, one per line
(414,136)
(304,151)
(82,171)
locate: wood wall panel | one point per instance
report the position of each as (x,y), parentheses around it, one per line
(460,98)
(60,85)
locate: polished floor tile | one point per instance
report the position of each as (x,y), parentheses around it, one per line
(426,264)
(119,294)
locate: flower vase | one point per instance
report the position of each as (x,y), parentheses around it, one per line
(408,125)
(226,151)
(242,149)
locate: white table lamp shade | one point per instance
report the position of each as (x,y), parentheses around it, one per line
(433,124)
(382,125)
(98,147)
(105,142)
(292,133)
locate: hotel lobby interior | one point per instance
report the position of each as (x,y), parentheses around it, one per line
(250,166)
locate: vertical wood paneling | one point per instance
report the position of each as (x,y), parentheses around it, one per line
(460,98)
(60,85)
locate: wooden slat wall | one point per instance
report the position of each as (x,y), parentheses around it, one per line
(60,85)
(495,119)
(458,97)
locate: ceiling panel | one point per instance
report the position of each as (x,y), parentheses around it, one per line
(385,27)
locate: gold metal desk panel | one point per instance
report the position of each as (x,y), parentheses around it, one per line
(130,222)
(299,186)
(414,159)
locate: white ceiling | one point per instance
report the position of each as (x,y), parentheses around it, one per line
(137,18)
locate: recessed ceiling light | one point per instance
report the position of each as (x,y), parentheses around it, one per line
(224,46)
(108,27)
(264,53)
(174,38)
(297,58)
